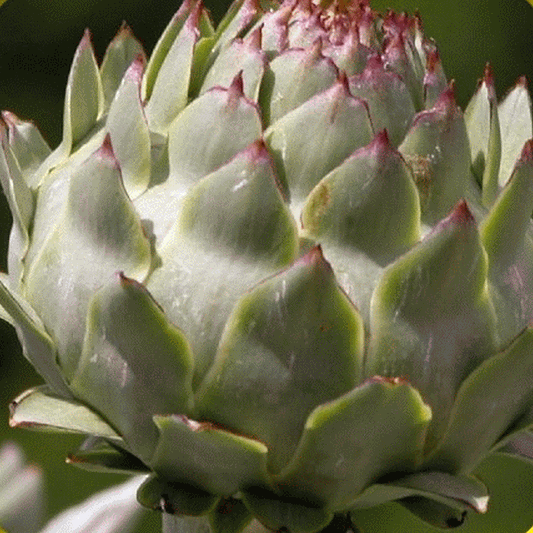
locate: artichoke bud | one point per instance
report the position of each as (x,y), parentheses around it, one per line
(276,267)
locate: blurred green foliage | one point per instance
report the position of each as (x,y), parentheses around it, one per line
(37,42)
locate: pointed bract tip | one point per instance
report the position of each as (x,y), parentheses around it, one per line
(107,147)
(255,39)
(251,7)
(379,148)
(136,69)
(10,118)
(194,16)
(236,88)
(183,11)
(445,108)
(488,81)
(127,282)
(446,99)
(314,255)
(15,403)
(9,122)
(86,40)
(522,82)
(124,30)
(106,152)
(526,155)
(124,280)
(461,214)
(488,74)
(525,159)
(315,259)
(258,151)
(381,140)
(85,43)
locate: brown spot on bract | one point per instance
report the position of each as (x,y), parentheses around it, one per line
(421,168)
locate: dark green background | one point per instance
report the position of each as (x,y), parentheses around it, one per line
(37,41)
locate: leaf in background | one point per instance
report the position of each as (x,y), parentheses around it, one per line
(114,510)
(21,491)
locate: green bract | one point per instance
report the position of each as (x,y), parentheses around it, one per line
(278,267)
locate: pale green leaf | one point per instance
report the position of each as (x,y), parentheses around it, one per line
(119,55)
(42,409)
(37,345)
(168,95)
(388,99)
(507,240)
(213,459)
(436,288)
(489,401)
(436,149)
(314,138)
(129,132)
(362,424)
(293,78)
(98,234)
(134,363)
(483,127)
(369,203)
(516,127)
(292,343)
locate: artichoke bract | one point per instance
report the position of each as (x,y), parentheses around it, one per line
(277,267)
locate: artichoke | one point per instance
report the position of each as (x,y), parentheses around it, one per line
(278,268)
